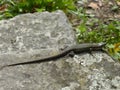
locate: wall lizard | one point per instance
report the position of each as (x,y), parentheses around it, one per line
(76,49)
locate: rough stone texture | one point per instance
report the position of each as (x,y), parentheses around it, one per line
(34,36)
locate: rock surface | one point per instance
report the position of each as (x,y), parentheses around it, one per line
(33,36)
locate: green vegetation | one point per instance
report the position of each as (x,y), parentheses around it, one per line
(91,29)
(29,6)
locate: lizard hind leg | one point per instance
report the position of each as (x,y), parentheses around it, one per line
(91,53)
(71,54)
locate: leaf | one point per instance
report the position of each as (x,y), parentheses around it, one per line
(118,3)
(40,9)
(93,5)
(117,47)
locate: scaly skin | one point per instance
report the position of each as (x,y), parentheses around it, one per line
(80,48)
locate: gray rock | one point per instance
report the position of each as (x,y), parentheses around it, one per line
(33,36)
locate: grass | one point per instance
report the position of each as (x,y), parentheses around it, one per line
(30,6)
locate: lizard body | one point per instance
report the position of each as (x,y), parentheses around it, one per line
(75,49)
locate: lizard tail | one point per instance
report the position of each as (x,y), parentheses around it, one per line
(1,68)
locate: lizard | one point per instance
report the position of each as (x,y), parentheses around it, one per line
(75,49)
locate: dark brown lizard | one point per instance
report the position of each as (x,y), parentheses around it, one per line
(76,49)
